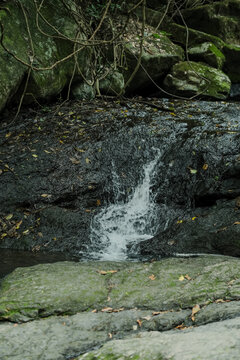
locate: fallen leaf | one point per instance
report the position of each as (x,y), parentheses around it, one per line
(110,335)
(26,232)
(181,327)
(194,218)
(181,278)
(236,223)
(94,311)
(46,195)
(103,272)
(187,277)
(135,327)
(1,172)
(87,160)
(152,277)
(98,202)
(47,152)
(193,171)
(219,301)
(18,224)
(88,210)
(139,322)
(117,310)
(195,310)
(107,309)
(74,161)
(205,167)
(179,221)
(7,135)
(34,155)
(8,217)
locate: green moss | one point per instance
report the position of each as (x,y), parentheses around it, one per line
(192,78)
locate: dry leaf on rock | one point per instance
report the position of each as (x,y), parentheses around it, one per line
(152,277)
(195,310)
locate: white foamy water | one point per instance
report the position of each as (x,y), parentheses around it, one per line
(123,223)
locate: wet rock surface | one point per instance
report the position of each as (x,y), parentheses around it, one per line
(139,310)
(57,173)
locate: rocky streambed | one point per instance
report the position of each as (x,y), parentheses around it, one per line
(58,171)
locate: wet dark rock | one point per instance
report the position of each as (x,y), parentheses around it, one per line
(57,173)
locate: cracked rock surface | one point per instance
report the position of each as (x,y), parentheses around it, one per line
(109,310)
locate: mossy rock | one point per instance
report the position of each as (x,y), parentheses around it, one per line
(112,84)
(158,55)
(68,288)
(83,91)
(219,18)
(39,48)
(192,79)
(207,52)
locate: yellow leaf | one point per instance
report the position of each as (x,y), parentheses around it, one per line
(88,210)
(152,277)
(26,232)
(187,277)
(219,301)
(34,155)
(110,335)
(46,195)
(173,114)
(98,202)
(61,142)
(47,152)
(87,160)
(8,217)
(3,235)
(7,135)
(181,278)
(139,322)
(179,221)
(94,311)
(194,218)
(205,167)
(193,171)
(236,223)
(18,224)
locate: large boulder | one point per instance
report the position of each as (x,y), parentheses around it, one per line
(220,18)
(207,52)
(38,52)
(158,55)
(191,79)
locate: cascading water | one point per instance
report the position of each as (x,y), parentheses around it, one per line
(125,223)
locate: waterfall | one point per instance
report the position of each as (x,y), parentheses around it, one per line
(125,223)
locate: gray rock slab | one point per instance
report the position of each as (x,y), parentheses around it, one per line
(65,336)
(68,288)
(217,341)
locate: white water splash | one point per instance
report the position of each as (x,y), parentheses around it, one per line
(123,223)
